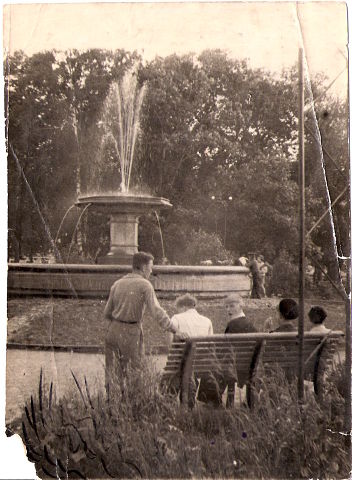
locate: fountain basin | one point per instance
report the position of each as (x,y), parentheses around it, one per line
(95,280)
(124,203)
(124,211)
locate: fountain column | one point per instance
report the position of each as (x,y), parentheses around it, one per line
(123,239)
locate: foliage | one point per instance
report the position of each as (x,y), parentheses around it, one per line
(284,279)
(194,246)
(53,103)
(210,127)
(140,431)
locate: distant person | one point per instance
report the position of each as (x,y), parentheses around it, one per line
(288,312)
(317,316)
(263,270)
(268,279)
(253,266)
(242,261)
(188,320)
(206,262)
(129,297)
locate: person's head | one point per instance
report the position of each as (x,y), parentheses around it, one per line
(317,315)
(233,306)
(185,302)
(251,255)
(142,262)
(261,258)
(288,309)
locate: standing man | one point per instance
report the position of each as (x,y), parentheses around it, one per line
(128,299)
(256,280)
(263,270)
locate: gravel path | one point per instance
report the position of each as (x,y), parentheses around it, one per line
(23,372)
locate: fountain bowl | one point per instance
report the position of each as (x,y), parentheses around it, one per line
(123,203)
(124,211)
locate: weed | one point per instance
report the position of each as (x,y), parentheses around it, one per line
(139,432)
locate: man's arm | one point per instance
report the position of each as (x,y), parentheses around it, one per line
(109,307)
(160,315)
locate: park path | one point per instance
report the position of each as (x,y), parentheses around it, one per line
(23,372)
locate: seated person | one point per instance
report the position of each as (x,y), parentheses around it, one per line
(210,391)
(317,316)
(189,320)
(288,312)
(238,323)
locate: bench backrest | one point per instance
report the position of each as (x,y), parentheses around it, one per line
(229,355)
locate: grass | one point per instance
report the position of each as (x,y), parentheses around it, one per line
(140,431)
(73,322)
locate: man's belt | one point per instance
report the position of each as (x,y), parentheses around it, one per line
(128,323)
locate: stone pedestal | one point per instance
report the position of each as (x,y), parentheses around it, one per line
(123,239)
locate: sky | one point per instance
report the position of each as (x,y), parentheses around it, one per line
(267,34)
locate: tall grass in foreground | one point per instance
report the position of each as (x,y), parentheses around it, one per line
(141,431)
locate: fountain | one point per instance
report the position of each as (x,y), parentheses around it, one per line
(120,123)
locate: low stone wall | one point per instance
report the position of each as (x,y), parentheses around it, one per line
(96,280)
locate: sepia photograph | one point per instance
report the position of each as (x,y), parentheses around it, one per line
(178,240)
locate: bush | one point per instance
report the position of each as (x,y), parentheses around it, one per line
(193,247)
(139,431)
(284,280)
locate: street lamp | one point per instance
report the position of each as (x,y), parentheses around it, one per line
(216,214)
(224,202)
(225,226)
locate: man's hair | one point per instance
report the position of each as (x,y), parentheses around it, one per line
(234,298)
(141,258)
(186,301)
(317,315)
(288,309)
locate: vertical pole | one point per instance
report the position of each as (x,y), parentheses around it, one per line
(348,359)
(225,226)
(300,385)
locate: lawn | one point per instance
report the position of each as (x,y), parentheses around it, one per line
(68,321)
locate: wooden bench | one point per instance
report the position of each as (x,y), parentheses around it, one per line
(228,358)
